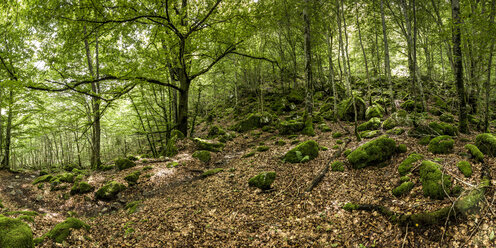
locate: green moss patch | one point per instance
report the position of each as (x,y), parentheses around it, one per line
(250,154)
(443,128)
(373,152)
(211,172)
(441,145)
(132,179)
(81,188)
(14,233)
(465,167)
(406,166)
(374,111)
(401,148)
(132,207)
(262,148)
(447,117)
(215,131)
(203,156)
(435,184)
(337,166)
(208,145)
(346,111)
(263,180)
(372,124)
(308,148)
(291,127)
(124,163)
(61,231)
(42,179)
(337,135)
(476,154)
(486,143)
(109,191)
(403,189)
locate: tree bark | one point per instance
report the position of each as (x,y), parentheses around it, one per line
(386,59)
(458,65)
(369,93)
(8,133)
(308,61)
(331,72)
(487,83)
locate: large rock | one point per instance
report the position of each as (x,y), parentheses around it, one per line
(374,111)
(486,143)
(15,234)
(441,145)
(81,188)
(253,121)
(399,118)
(373,152)
(291,127)
(308,148)
(109,191)
(263,180)
(208,145)
(435,184)
(346,111)
(406,166)
(124,163)
(61,231)
(372,124)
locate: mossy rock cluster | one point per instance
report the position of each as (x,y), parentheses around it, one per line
(443,128)
(132,179)
(346,111)
(124,163)
(81,188)
(441,145)
(14,233)
(475,153)
(211,172)
(109,191)
(465,167)
(202,155)
(396,131)
(435,184)
(263,180)
(447,117)
(208,145)
(291,127)
(215,131)
(370,134)
(374,111)
(371,124)
(308,129)
(61,231)
(486,143)
(296,96)
(253,121)
(410,105)
(308,148)
(337,166)
(403,189)
(406,166)
(42,179)
(372,153)
(398,118)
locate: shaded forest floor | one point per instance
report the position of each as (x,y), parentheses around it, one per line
(178,208)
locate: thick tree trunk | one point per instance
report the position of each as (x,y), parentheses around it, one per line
(8,133)
(182,122)
(458,65)
(386,59)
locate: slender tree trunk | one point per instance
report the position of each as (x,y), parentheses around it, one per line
(369,93)
(197,109)
(487,83)
(331,72)
(8,133)
(417,78)
(386,59)
(308,61)
(341,48)
(458,65)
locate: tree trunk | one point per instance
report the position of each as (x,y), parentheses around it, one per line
(331,72)
(182,122)
(369,93)
(308,61)
(8,133)
(386,59)
(458,65)
(487,83)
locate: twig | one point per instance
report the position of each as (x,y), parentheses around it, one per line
(406,234)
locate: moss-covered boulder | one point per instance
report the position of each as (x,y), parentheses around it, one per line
(398,118)
(215,131)
(374,111)
(476,154)
(403,189)
(109,191)
(465,167)
(410,105)
(208,145)
(406,166)
(42,179)
(296,96)
(308,129)
(372,124)
(211,172)
(435,184)
(14,233)
(447,117)
(177,134)
(66,177)
(263,180)
(443,128)
(441,145)
(370,134)
(61,231)
(253,121)
(308,148)
(346,110)
(291,127)
(124,163)
(81,188)
(337,135)
(469,201)
(401,148)
(486,143)
(373,152)
(337,166)
(202,155)
(396,131)
(132,179)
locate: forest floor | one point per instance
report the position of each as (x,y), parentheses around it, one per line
(181,209)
